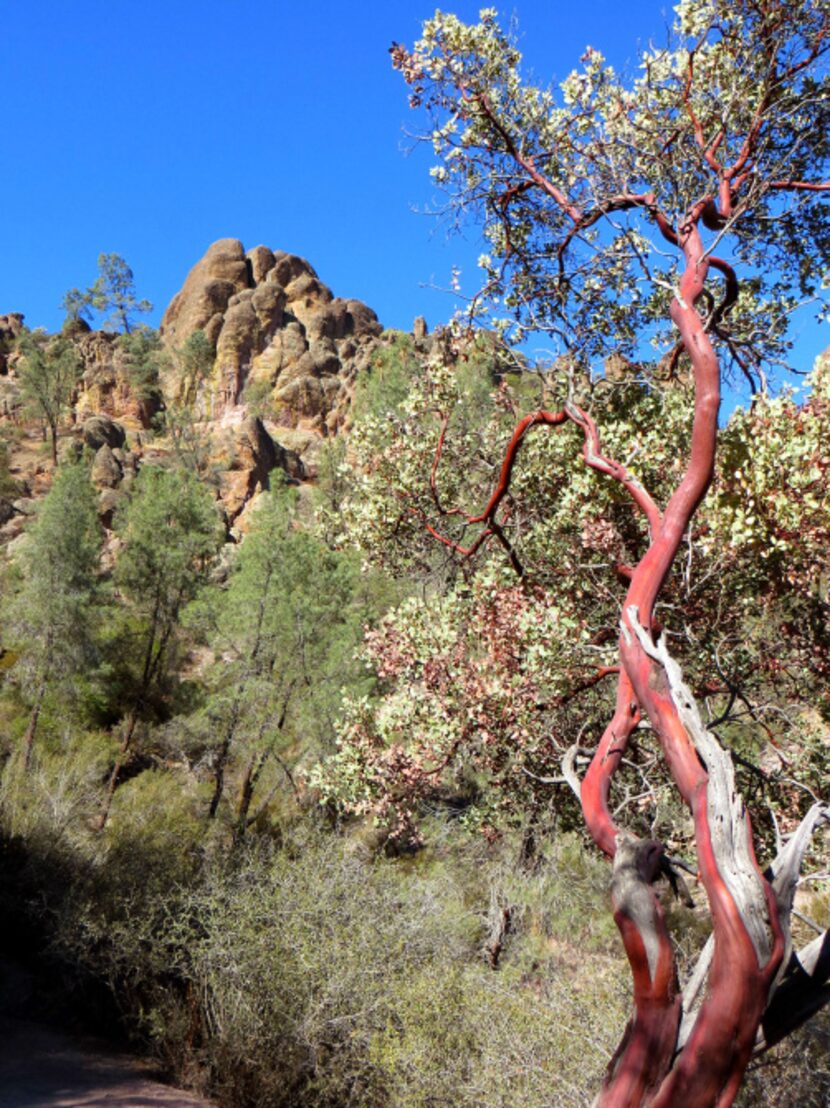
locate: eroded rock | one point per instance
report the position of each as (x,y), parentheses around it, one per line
(276,327)
(106,471)
(11,327)
(251,458)
(99,430)
(221,273)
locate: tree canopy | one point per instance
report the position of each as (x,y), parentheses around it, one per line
(52,618)
(112,294)
(581,188)
(49,374)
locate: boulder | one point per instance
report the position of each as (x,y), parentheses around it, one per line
(11,327)
(106,472)
(288,267)
(108,504)
(256,452)
(12,529)
(207,290)
(100,430)
(268,302)
(253,457)
(126,459)
(261,261)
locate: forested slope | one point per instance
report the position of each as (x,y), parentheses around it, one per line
(282,778)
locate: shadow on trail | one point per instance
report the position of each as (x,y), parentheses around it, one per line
(42,1068)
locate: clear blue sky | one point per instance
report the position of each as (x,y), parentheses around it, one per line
(152,129)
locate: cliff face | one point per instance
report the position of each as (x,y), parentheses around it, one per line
(275,327)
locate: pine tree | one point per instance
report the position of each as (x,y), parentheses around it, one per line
(52,618)
(171,533)
(49,374)
(112,294)
(285,633)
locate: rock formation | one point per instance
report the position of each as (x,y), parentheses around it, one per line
(244,469)
(106,385)
(278,332)
(11,325)
(274,380)
(100,431)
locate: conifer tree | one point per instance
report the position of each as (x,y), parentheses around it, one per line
(52,618)
(285,633)
(112,294)
(49,373)
(170,532)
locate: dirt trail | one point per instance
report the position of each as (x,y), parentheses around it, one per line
(41,1068)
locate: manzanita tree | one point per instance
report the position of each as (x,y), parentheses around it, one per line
(677,209)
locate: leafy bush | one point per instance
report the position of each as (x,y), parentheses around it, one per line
(332,979)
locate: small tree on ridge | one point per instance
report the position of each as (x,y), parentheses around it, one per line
(112,294)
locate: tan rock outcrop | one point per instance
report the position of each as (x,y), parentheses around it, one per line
(250,459)
(11,326)
(211,283)
(106,471)
(106,384)
(99,430)
(275,327)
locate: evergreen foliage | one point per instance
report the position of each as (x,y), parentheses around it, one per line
(142,358)
(112,295)
(51,622)
(284,631)
(170,533)
(49,374)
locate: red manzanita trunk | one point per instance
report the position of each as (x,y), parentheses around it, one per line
(709,1068)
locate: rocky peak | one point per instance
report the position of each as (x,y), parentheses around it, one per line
(279,378)
(11,325)
(276,327)
(203,299)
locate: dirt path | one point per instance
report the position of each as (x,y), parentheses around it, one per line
(41,1068)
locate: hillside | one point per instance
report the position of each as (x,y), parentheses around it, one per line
(293,735)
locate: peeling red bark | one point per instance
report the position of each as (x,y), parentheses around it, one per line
(648,1044)
(710,1067)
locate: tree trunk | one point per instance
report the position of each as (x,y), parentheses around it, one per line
(222,760)
(246,793)
(29,737)
(152,663)
(120,761)
(650,1066)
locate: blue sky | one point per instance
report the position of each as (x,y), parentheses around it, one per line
(150,130)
